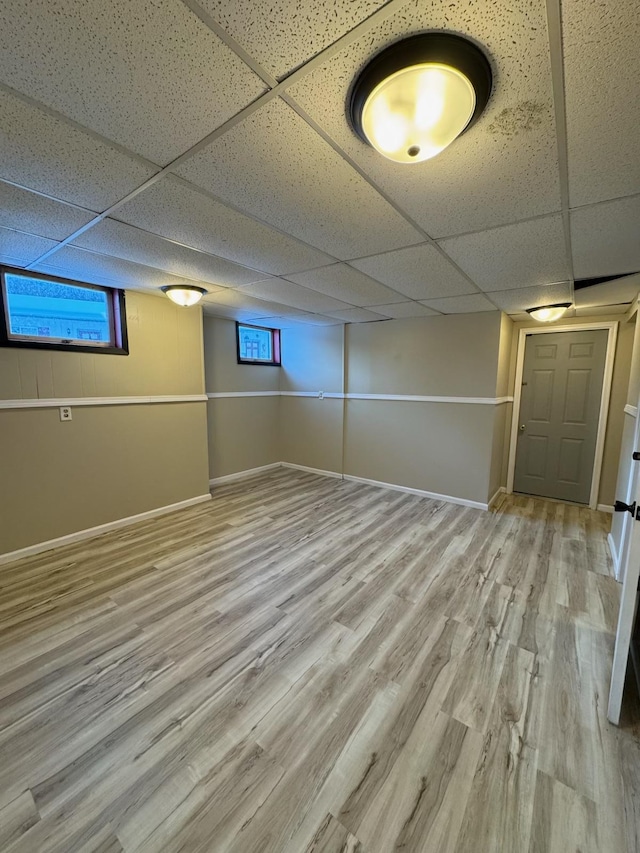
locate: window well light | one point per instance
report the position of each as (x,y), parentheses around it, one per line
(184,294)
(549,313)
(417,96)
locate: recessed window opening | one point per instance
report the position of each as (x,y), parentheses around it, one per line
(45,312)
(257,345)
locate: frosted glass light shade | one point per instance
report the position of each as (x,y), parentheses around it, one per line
(185,295)
(417,112)
(417,95)
(548,313)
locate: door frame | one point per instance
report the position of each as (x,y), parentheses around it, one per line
(612,327)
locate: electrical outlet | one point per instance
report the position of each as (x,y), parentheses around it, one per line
(320,395)
(65,413)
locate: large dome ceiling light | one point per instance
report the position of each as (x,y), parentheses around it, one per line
(184,294)
(415,97)
(549,313)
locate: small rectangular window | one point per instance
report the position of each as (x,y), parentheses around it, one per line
(44,312)
(257,345)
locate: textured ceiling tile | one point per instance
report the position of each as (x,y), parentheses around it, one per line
(602,80)
(345,283)
(514,301)
(71,262)
(124,241)
(518,255)
(212,309)
(275,167)
(357,315)
(420,272)
(46,154)
(505,167)
(248,302)
(282,35)
(19,249)
(36,214)
(150,76)
(472,304)
(609,292)
(596,311)
(605,239)
(173,209)
(400,310)
(295,295)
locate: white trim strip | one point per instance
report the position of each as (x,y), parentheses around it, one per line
(309,470)
(501,491)
(240,475)
(614,556)
(54,403)
(631,410)
(90,532)
(337,395)
(420,492)
(604,508)
(221,395)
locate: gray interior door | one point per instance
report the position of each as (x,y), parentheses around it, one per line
(559,411)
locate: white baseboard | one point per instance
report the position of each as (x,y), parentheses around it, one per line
(334,474)
(420,492)
(90,532)
(614,556)
(240,475)
(501,491)
(604,508)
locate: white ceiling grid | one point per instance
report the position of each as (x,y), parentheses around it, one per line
(206,141)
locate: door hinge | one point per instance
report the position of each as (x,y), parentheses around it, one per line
(636,456)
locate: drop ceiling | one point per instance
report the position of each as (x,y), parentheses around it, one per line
(206,142)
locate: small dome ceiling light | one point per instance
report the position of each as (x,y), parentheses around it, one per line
(184,294)
(415,97)
(549,313)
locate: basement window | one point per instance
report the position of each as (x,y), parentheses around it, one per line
(257,345)
(43,312)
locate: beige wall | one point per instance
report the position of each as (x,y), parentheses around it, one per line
(242,431)
(109,462)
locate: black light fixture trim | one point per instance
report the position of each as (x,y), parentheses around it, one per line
(444,48)
(555,305)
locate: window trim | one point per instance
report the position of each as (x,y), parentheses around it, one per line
(276,361)
(117,317)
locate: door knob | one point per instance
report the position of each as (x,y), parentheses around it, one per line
(522,427)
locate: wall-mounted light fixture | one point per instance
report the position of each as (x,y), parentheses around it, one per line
(415,97)
(184,294)
(549,313)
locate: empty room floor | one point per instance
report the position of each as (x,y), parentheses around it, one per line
(306,664)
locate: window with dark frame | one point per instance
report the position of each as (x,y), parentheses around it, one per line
(257,345)
(45,312)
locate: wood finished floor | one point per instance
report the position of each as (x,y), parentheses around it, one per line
(310,665)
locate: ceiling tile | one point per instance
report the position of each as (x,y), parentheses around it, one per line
(471,304)
(609,292)
(317,320)
(36,214)
(420,272)
(48,155)
(150,76)
(343,282)
(71,262)
(282,35)
(275,167)
(600,310)
(110,237)
(295,295)
(517,300)
(247,302)
(505,167)
(212,309)
(400,310)
(173,209)
(601,94)
(605,238)
(19,249)
(518,255)
(357,315)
